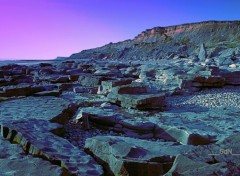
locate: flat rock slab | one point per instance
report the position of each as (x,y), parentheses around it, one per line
(129,156)
(14,162)
(32,107)
(89,80)
(211,113)
(142,101)
(55,93)
(184,129)
(117,121)
(132,125)
(26,122)
(222,158)
(107,86)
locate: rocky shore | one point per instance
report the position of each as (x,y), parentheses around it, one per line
(105,116)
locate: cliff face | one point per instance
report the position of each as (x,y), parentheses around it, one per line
(161,42)
(209,26)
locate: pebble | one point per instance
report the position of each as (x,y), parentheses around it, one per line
(211,98)
(77,135)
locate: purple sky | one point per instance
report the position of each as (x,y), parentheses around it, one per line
(45,29)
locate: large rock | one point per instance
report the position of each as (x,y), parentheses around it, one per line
(30,127)
(128,156)
(106,86)
(108,72)
(148,72)
(212,81)
(17,90)
(170,76)
(185,136)
(202,55)
(221,159)
(15,162)
(60,79)
(136,96)
(143,101)
(90,90)
(90,80)
(25,90)
(55,93)
(133,88)
(232,77)
(99,116)
(110,118)
(185,166)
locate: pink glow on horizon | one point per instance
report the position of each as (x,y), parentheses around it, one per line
(46,29)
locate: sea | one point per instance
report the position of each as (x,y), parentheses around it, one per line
(25,62)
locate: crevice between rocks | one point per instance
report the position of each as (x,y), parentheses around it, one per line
(106,169)
(66,115)
(15,137)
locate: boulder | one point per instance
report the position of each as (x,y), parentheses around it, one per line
(32,130)
(184,136)
(91,90)
(109,118)
(90,81)
(221,158)
(76,71)
(202,55)
(131,89)
(137,101)
(73,77)
(13,162)
(131,72)
(60,79)
(108,72)
(10,91)
(22,79)
(45,65)
(170,76)
(137,129)
(106,86)
(223,61)
(25,90)
(211,81)
(47,71)
(231,78)
(148,72)
(104,117)
(128,156)
(54,93)
(185,166)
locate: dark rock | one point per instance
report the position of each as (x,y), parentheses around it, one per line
(73,78)
(212,81)
(47,71)
(231,78)
(55,93)
(90,90)
(22,79)
(76,71)
(17,91)
(130,89)
(45,65)
(60,79)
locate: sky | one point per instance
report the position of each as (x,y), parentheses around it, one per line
(45,29)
